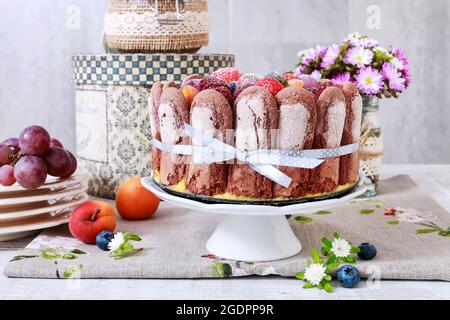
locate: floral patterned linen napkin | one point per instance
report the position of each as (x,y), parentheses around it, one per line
(411,233)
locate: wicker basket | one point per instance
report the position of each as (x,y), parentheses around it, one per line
(156,25)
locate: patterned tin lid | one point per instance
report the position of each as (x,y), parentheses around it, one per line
(144,69)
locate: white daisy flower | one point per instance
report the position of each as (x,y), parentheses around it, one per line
(341,248)
(397,63)
(116,242)
(358,56)
(314,273)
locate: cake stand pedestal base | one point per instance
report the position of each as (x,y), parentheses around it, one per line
(254,238)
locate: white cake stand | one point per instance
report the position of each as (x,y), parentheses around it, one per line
(252,232)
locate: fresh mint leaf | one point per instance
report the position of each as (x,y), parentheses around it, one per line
(328,287)
(300,275)
(131,236)
(307,285)
(315,255)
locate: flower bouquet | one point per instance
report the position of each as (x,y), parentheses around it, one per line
(378,72)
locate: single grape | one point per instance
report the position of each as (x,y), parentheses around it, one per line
(7,176)
(5,154)
(34,141)
(56,143)
(58,161)
(13,143)
(74,165)
(30,172)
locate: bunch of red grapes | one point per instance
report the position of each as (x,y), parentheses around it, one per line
(31,157)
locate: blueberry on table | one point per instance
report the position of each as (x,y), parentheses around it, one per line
(348,276)
(103,239)
(367,251)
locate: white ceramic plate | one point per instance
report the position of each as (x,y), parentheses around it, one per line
(21,229)
(51,183)
(40,195)
(250,209)
(21,212)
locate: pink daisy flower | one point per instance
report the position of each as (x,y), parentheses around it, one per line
(395,79)
(330,56)
(312,54)
(407,75)
(358,56)
(369,80)
(341,77)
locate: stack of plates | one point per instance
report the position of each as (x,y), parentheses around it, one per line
(24,212)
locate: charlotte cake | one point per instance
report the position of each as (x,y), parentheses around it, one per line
(272,112)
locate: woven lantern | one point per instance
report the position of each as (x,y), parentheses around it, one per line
(148,26)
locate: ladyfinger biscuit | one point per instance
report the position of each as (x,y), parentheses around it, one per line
(211,113)
(329,129)
(256,115)
(173,112)
(349,164)
(153,104)
(296,132)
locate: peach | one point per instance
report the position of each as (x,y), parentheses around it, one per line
(134,201)
(296,83)
(189,93)
(90,218)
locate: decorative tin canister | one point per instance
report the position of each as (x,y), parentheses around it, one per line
(112,118)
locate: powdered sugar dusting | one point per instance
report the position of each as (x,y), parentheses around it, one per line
(294,120)
(251,115)
(336,119)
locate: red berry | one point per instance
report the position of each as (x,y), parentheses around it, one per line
(211,83)
(290,76)
(227,74)
(272,85)
(226,93)
(323,84)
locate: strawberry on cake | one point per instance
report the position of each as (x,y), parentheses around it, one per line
(250,113)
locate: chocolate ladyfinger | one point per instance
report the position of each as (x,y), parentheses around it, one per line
(173,112)
(256,115)
(211,113)
(297,122)
(153,104)
(329,128)
(349,164)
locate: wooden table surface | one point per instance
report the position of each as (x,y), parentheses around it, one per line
(433,179)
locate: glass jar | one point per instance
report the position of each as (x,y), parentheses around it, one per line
(371,149)
(163,26)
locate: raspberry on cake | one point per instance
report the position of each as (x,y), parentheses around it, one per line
(256,115)
(173,112)
(211,113)
(296,132)
(329,128)
(227,74)
(271,84)
(349,164)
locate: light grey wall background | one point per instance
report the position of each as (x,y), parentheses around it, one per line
(36,42)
